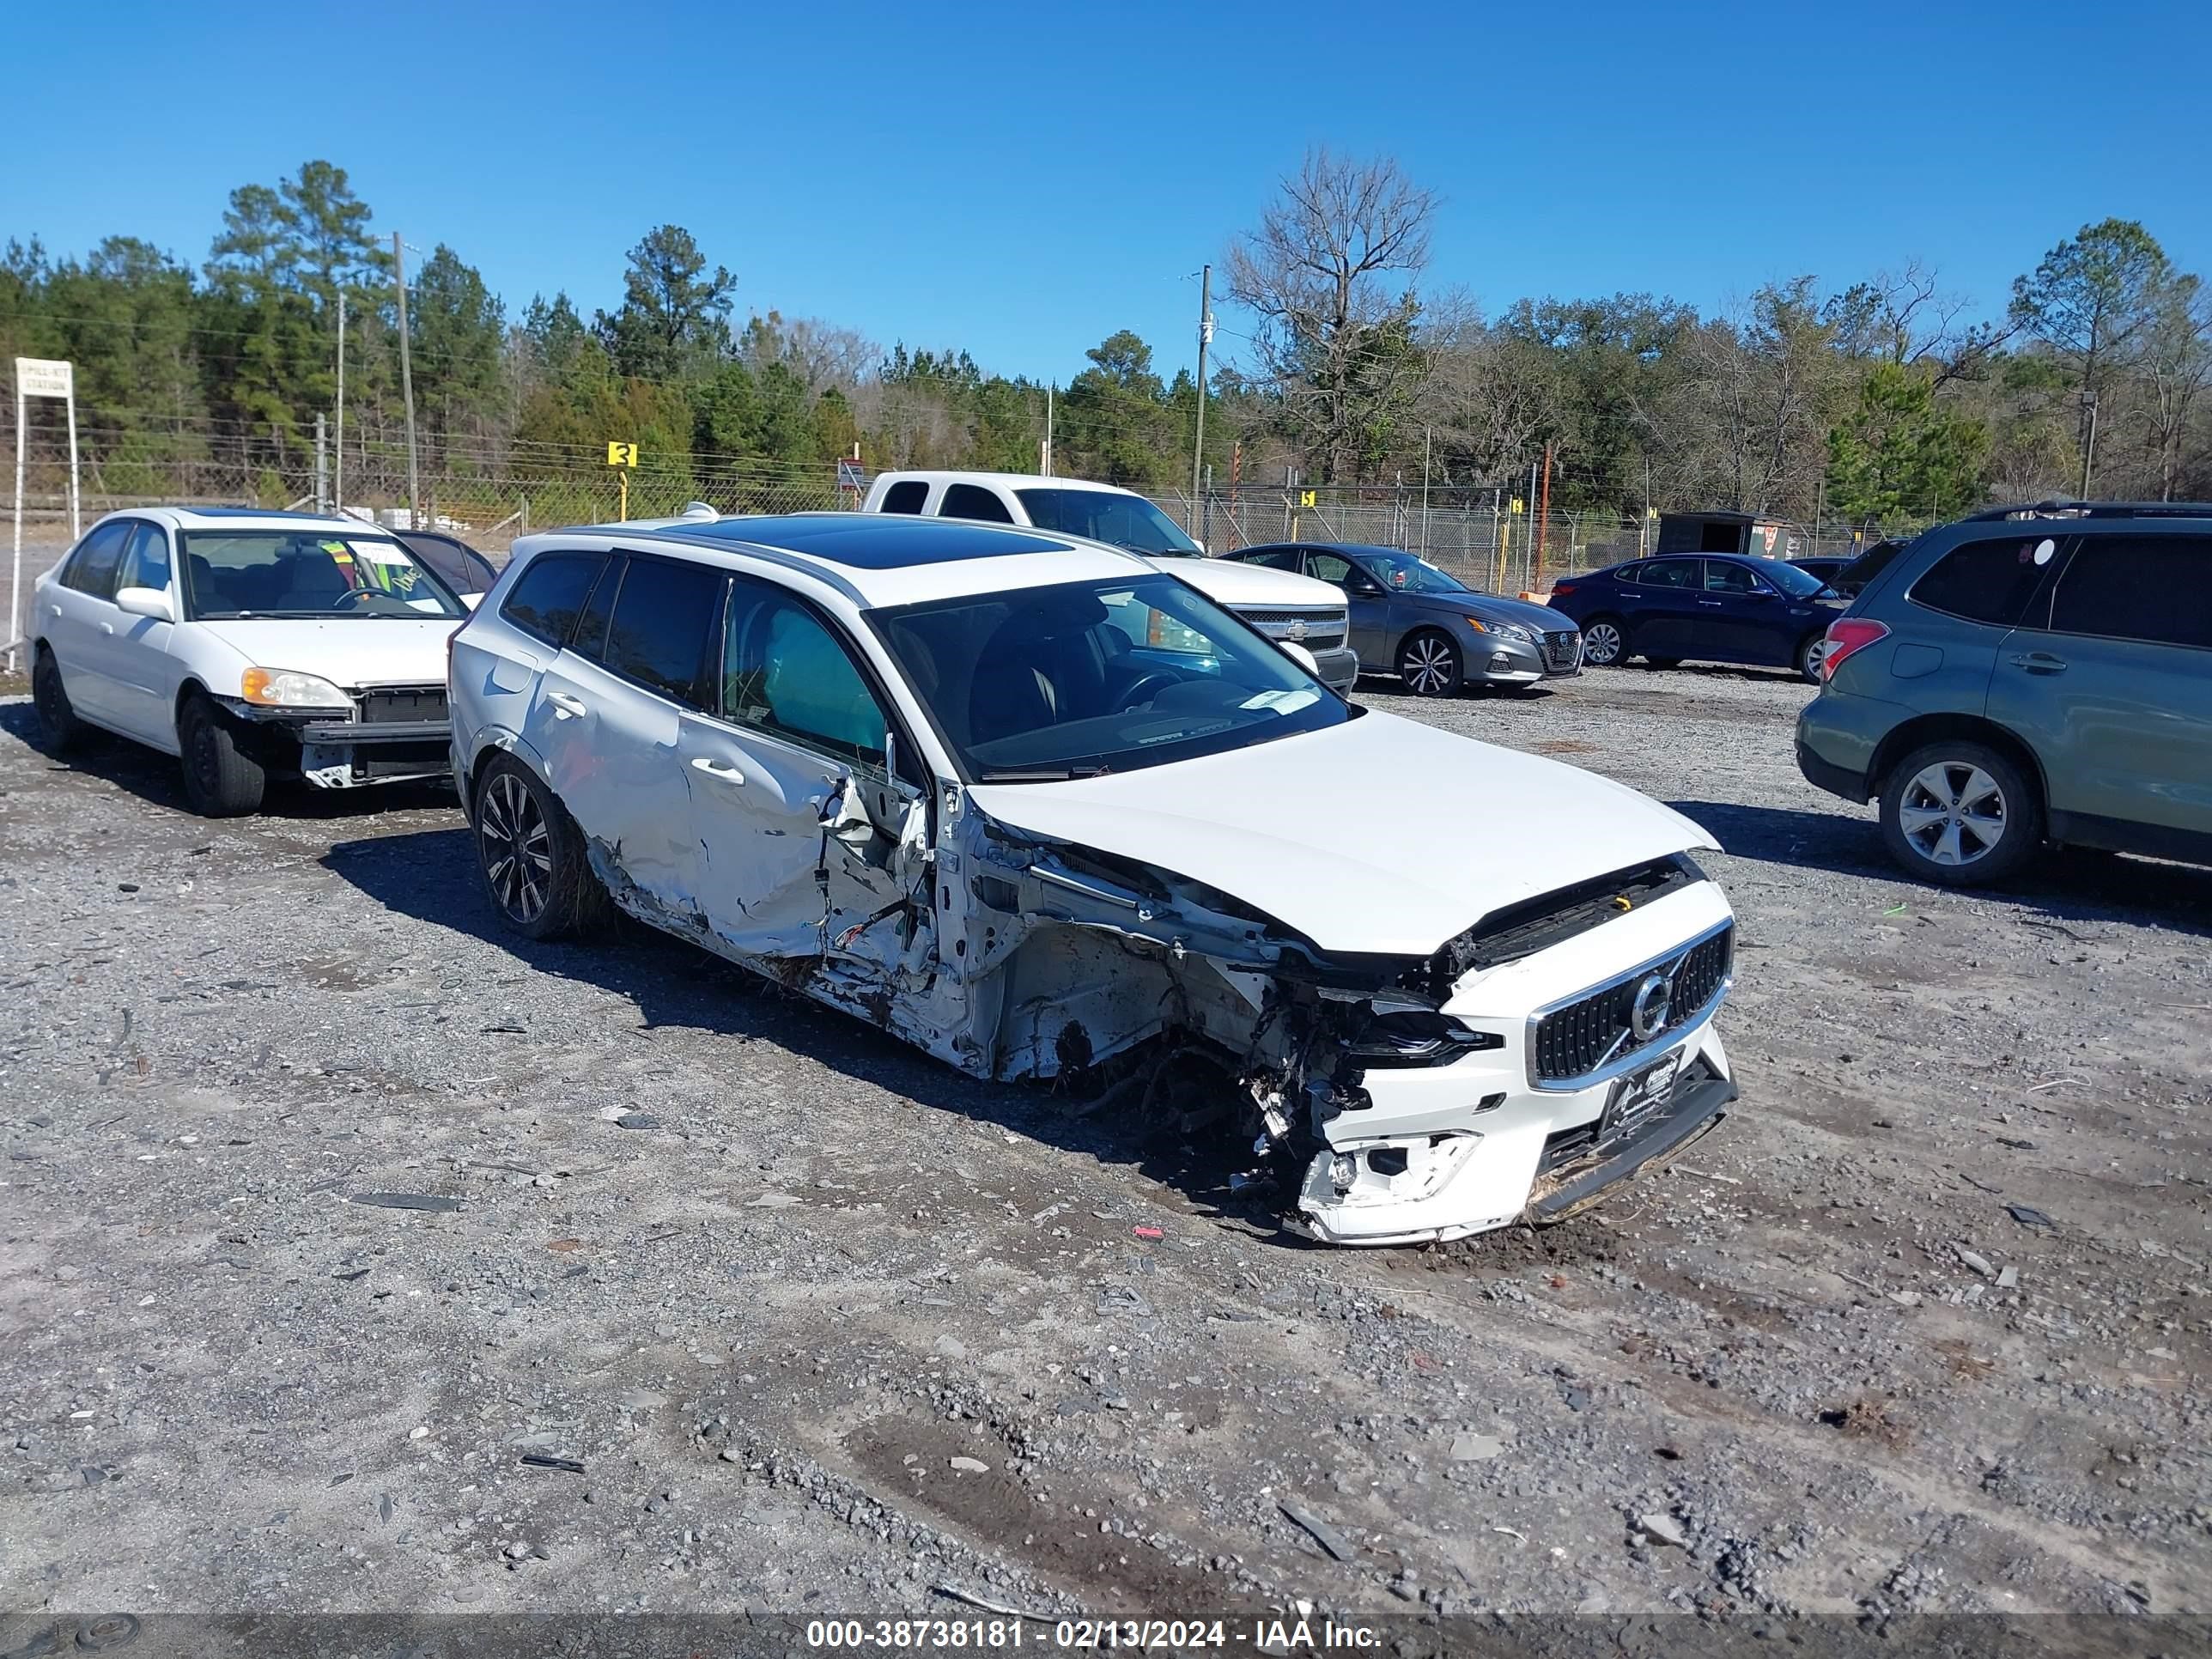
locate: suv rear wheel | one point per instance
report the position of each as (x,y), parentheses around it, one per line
(532,854)
(1960,814)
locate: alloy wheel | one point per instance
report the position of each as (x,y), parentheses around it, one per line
(1601,644)
(1428,665)
(1816,656)
(517,848)
(1953,813)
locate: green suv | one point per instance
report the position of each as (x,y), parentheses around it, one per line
(2025,678)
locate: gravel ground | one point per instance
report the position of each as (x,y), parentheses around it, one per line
(826,1326)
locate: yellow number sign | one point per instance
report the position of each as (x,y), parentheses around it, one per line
(1306,498)
(622,455)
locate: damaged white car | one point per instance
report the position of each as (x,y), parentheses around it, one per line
(1046,812)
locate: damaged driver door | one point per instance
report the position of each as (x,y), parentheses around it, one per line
(811,850)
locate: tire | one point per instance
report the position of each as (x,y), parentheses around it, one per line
(531,856)
(58,726)
(1960,814)
(220,781)
(1430,664)
(1811,655)
(1605,642)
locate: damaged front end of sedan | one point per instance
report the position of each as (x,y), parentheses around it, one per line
(1550,1049)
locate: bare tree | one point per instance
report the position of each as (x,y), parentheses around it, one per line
(2176,365)
(1905,317)
(1489,395)
(1746,428)
(1322,274)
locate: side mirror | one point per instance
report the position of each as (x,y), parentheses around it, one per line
(1298,654)
(146,602)
(1362,587)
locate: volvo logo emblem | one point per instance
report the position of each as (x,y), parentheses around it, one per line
(1654,1001)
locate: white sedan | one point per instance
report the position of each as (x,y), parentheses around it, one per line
(247,643)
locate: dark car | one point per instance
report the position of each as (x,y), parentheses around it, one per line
(2025,678)
(1436,632)
(1717,608)
(1854,576)
(459,566)
(1827,566)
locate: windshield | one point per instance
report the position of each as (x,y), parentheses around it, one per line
(1085,677)
(234,573)
(1798,584)
(1108,515)
(1404,574)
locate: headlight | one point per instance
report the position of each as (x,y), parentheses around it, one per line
(1502,631)
(283,688)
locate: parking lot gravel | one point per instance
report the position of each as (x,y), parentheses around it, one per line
(356,1256)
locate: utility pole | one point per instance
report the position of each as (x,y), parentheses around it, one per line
(1045,458)
(337,485)
(1204,339)
(322,469)
(2089,443)
(1528,537)
(1426,434)
(1543,516)
(407,386)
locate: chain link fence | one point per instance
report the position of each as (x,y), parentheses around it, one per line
(491,494)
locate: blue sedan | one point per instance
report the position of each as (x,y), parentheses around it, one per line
(1713,607)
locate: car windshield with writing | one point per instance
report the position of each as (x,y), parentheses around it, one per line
(1402,573)
(1078,679)
(1106,515)
(233,575)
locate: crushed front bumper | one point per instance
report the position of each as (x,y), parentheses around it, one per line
(1442,1152)
(334,753)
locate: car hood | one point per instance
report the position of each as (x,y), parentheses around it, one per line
(1232,583)
(1491,608)
(353,651)
(1381,835)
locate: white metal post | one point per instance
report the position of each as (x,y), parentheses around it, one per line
(15,612)
(77,520)
(38,377)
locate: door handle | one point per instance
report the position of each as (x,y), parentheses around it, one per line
(107,627)
(721,771)
(54,610)
(566,706)
(2039,662)
(1715,604)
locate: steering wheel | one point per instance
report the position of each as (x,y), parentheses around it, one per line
(1143,688)
(354,595)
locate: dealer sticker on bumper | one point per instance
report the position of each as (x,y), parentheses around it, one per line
(1637,1096)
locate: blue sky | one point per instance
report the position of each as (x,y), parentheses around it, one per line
(1023,180)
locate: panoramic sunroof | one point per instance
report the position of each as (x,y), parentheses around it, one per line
(878,541)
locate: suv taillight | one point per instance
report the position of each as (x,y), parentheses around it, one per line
(1847,635)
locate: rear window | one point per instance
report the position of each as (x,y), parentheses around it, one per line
(906,497)
(662,618)
(1670,573)
(964,501)
(1988,581)
(546,598)
(2157,589)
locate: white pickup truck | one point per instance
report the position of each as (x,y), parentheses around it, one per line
(1288,608)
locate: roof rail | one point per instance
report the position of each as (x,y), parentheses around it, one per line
(2068,509)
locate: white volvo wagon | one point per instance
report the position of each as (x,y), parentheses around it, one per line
(1032,804)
